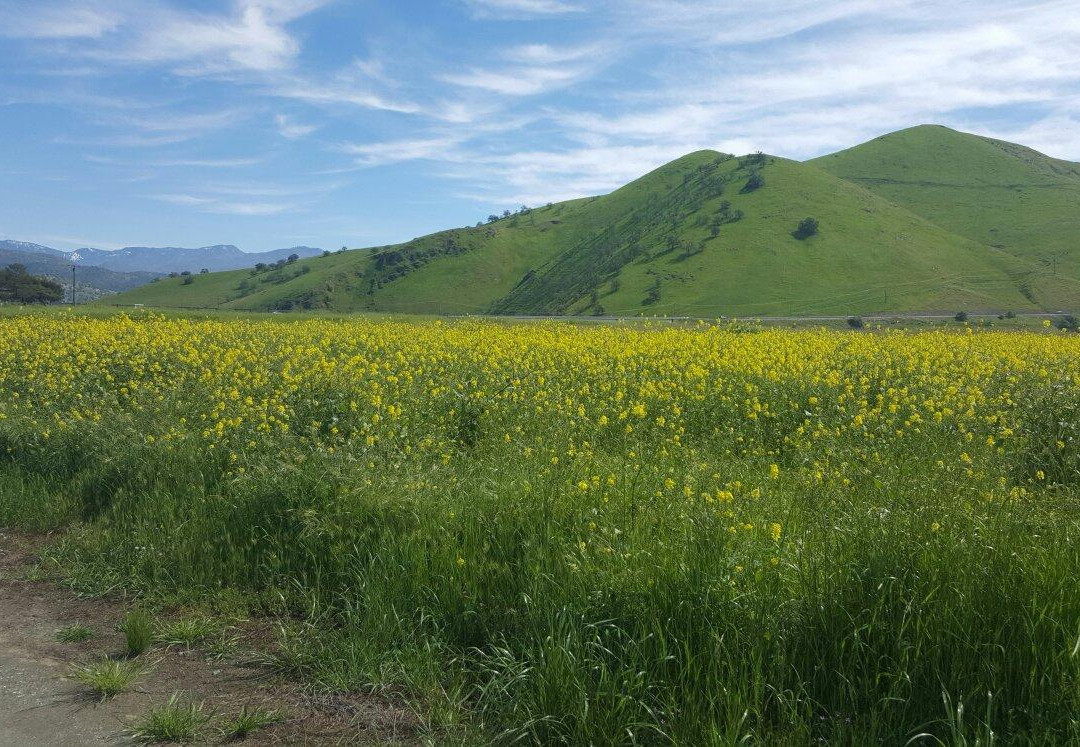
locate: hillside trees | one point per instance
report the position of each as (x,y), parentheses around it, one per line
(19,286)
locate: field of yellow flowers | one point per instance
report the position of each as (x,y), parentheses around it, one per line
(594,535)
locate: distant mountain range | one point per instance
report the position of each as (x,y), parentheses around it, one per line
(90,282)
(925,219)
(166,259)
(112,271)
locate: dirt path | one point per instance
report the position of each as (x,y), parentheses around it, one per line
(39,705)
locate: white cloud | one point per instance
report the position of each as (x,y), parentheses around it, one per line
(210,163)
(180,199)
(291,129)
(521,82)
(546,54)
(337,93)
(249,208)
(522,8)
(166,120)
(396,151)
(252,37)
(225,207)
(535,69)
(149,127)
(710,22)
(1054,135)
(61,21)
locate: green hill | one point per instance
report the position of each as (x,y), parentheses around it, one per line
(1000,194)
(711,234)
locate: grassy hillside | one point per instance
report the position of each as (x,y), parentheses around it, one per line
(997,193)
(714,248)
(457,271)
(707,234)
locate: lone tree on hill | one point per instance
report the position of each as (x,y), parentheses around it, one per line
(807,227)
(19,286)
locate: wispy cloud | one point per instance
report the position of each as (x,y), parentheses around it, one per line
(150,127)
(58,21)
(396,151)
(522,82)
(291,129)
(533,69)
(225,207)
(253,36)
(337,93)
(522,8)
(209,163)
(249,197)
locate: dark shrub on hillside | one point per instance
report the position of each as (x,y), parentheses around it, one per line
(807,227)
(1068,323)
(755,182)
(653,294)
(856,322)
(961,316)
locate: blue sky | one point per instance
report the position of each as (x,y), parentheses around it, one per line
(271,123)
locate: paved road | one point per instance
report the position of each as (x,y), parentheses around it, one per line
(750,317)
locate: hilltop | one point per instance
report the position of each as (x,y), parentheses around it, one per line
(713,234)
(997,193)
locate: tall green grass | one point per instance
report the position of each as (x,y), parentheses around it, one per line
(868,625)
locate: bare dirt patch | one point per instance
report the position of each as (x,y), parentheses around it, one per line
(40,705)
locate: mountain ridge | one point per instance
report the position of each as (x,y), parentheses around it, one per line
(163,260)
